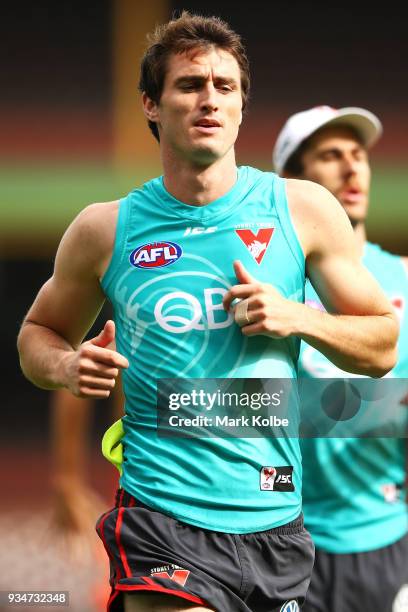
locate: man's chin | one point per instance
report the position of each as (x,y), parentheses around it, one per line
(356,219)
(206,155)
(356,213)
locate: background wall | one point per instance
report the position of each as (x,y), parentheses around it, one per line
(70,121)
(72,132)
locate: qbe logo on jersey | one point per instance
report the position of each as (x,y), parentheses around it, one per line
(277,478)
(155,255)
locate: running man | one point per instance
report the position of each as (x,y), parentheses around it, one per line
(353,497)
(192,529)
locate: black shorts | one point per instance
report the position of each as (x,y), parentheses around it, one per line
(266,571)
(374,581)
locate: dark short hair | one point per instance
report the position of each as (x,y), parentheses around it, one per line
(181,35)
(294,163)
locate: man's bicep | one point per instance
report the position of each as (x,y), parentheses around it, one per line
(345,286)
(69,308)
(71,299)
(334,265)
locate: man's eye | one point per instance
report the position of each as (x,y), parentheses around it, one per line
(225,87)
(329,156)
(188,85)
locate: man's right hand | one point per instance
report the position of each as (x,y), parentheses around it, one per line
(75,508)
(91,371)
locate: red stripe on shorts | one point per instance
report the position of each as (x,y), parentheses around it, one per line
(112,598)
(159,589)
(105,544)
(119,543)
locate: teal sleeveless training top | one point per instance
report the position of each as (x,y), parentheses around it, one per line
(353,495)
(171,265)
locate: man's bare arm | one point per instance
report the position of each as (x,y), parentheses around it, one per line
(360,330)
(51,353)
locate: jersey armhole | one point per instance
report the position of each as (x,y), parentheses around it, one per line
(119,248)
(285,219)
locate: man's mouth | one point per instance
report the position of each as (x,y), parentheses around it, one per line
(207,126)
(351,195)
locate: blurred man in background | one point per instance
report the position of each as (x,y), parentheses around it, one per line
(76,502)
(353,489)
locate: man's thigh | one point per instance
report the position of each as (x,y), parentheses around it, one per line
(151,602)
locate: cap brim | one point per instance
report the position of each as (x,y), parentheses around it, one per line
(366,124)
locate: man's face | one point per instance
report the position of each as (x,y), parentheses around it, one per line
(338,161)
(200,109)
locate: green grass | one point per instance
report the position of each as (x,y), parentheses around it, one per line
(41,201)
(44,200)
(389,201)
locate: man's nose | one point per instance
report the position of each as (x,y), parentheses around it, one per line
(350,164)
(208,99)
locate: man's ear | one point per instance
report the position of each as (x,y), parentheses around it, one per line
(149,108)
(290,175)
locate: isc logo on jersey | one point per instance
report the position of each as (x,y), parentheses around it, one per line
(276,478)
(155,255)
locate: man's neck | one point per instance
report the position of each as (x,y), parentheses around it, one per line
(198,185)
(361,236)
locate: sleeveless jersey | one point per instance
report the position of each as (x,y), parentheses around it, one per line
(171,265)
(353,497)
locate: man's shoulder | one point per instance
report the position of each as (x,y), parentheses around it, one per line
(377,250)
(97,218)
(318,218)
(310,203)
(303,192)
(93,228)
(99,212)
(404,261)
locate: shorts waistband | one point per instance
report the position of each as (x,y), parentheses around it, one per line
(123,498)
(295,526)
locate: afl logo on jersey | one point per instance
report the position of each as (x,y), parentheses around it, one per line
(155,255)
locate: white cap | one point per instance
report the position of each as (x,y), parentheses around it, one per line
(302,125)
